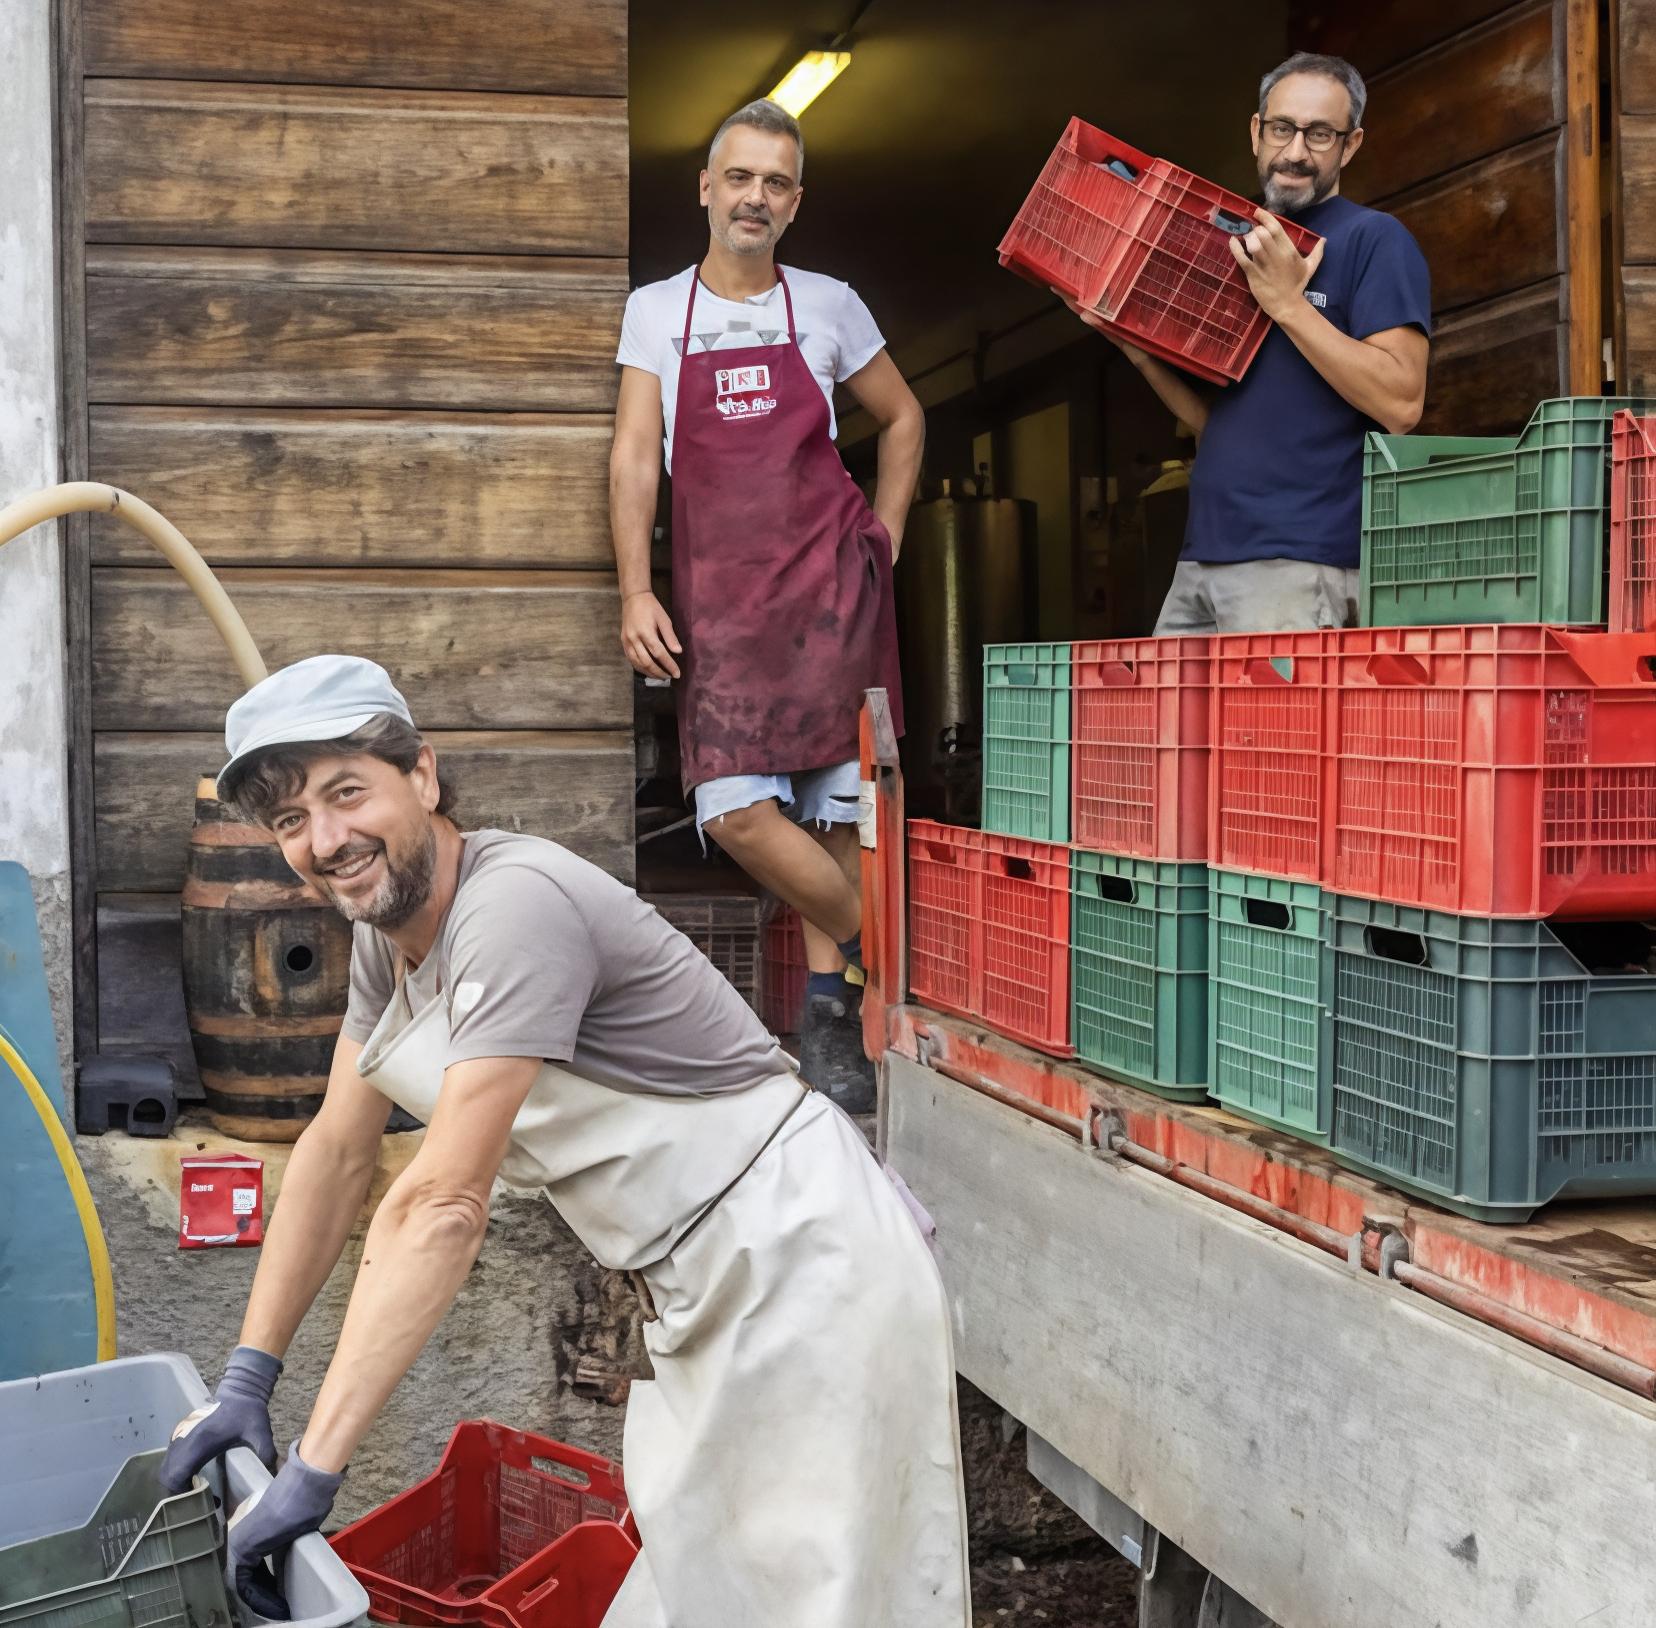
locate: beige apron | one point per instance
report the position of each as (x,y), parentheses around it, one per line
(796,1461)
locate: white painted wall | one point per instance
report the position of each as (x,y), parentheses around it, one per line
(34,791)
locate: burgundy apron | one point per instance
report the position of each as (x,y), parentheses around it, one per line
(782,591)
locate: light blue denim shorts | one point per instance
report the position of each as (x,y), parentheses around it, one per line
(820,797)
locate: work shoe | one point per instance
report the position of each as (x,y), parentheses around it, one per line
(831,1056)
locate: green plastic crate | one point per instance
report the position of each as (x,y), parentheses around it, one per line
(1267,1033)
(1480,1062)
(144,1560)
(1491,529)
(1026,741)
(1138,971)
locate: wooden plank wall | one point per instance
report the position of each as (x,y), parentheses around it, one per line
(1633,241)
(350,283)
(1482,137)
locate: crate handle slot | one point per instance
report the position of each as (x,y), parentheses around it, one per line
(1269,670)
(1234,224)
(1268,913)
(1117,889)
(1611,660)
(1109,674)
(1395,668)
(557,1470)
(941,853)
(1391,944)
(1122,170)
(1020,870)
(540,1592)
(1021,674)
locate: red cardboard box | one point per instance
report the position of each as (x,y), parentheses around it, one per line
(220,1200)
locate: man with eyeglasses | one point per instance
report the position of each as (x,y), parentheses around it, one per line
(1276,492)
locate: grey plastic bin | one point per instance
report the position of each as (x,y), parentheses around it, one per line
(143,1560)
(64,1437)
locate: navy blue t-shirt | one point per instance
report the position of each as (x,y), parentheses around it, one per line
(1279,471)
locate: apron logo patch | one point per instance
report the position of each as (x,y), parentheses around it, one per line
(737,381)
(740,392)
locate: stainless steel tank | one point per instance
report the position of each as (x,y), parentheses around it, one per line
(966,578)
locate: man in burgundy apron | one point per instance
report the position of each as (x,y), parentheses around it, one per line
(782,610)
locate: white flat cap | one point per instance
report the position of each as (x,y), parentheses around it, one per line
(318,699)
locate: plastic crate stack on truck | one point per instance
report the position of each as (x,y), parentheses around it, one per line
(1385,889)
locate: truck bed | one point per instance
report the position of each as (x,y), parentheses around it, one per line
(1585,1271)
(1341,1448)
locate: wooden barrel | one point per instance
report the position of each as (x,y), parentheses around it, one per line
(266,975)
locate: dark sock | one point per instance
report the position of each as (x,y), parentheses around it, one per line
(851,949)
(830,983)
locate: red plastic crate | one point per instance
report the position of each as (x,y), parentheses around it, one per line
(782,983)
(1147,245)
(1080,216)
(569,1585)
(470,1542)
(1632,524)
(1494,771)
(1140,771)
(1026,941)
(945,892)
(1268,730)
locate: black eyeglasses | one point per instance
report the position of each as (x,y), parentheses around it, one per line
(1318,137)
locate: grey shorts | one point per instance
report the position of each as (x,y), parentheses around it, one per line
(1258,596)
(820,797)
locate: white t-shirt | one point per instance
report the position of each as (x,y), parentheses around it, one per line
(835,330)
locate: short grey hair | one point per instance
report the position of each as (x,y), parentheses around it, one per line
(1335,68)
(763,114)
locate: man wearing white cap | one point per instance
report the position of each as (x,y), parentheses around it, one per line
(796,1458)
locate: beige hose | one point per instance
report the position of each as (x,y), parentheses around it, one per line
(84,496)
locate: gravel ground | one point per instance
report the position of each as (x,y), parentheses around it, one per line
(1086,1586)
(1033,1560)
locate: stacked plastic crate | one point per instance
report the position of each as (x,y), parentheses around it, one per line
(1088,936)
(1076,920)
(1430,842)
(1139,876)
(783,973)
(1489,829)
(989,909)
(1268,910)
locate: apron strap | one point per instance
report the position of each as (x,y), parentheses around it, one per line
(640,1284)
(787,299)
(690,307)
(690,311)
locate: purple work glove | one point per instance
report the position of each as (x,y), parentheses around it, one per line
(238,1416)
(295,1503)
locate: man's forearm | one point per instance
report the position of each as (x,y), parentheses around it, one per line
(900,446)
(1372,380)
(633,491)
(322,1194)
(416,1257)
(1175,392)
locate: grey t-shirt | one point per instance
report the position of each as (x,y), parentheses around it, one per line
(544,955)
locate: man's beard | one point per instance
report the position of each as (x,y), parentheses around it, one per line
(739,244)
(1281,202)
(405,889)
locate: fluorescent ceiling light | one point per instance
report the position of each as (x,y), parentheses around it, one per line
(808,78)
